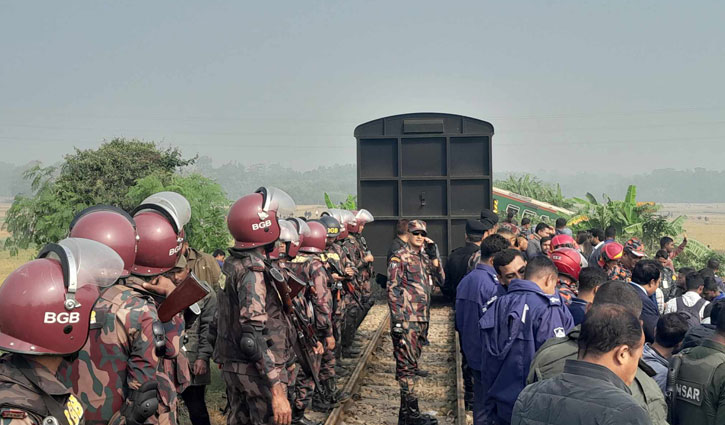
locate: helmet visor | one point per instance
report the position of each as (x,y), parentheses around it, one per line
(174,204)
(86,261)
(302,227)
(277,200)
(363,216)
(287,232)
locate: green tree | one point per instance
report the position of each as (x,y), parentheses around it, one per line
(207,228)
(350,202)
(85,178)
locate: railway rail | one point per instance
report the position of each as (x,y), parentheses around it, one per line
(370,376)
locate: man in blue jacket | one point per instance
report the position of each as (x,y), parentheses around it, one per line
(472,295)
(646,279)
(512,328)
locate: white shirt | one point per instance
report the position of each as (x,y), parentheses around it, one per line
(689,298)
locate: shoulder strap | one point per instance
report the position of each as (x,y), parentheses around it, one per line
(56,408)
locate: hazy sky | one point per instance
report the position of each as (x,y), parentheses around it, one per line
(580,85)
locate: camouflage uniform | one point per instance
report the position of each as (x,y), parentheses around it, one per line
(358,251)
(340,298)
(409,290)
(619,273)
(21,403)
(250,298)
(311,269)
(120,355)
(352,310)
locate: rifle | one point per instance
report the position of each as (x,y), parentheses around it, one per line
(306,335)
(368,266)
(348,284)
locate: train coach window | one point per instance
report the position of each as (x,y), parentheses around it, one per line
(513,209)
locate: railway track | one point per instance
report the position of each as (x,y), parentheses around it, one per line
(370,376)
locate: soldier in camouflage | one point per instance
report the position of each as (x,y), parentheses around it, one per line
(45,311)
(362,257)
(251,342)
(409,287)
(310,268)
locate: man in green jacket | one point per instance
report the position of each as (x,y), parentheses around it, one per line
(550,358)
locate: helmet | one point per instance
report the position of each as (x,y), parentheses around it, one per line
(314,242)
(346,219)
(332,225)
(567,261)
(562,241)
(362,216)
(159,244)
(303,230)
(110,226)
(171,204)
(45,304)
(253,219)
(610,251)
(288,234)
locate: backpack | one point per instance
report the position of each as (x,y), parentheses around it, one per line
(692,313)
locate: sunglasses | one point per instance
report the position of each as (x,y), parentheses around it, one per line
(418,233)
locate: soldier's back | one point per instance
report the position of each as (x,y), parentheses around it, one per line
(21,401)
(701,385)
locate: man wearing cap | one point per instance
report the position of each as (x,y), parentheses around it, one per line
(457,263)
(409,287)
(473,294)
(489,220)
(633,252)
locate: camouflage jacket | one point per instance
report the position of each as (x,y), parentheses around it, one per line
(337,253)
(250,298)
(310,268)
(409,285)
(120,354)
(204,266)
(196,340)
(21,401)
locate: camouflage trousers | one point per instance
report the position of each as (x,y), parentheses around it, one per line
(305,385)
(406,350)
(327,362)
(350,320)
(249,399)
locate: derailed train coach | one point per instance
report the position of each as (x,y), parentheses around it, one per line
(431,166)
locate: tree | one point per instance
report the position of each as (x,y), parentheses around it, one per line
(350,202)
(85,178)
(207,228)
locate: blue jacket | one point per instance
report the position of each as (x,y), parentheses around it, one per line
(512,329)
(473,293)
(578,309)
(650,314)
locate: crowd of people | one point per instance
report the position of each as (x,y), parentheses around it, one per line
(118,321)
(557,330)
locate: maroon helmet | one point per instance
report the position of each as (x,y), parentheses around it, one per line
(45,304)
(303,230)
(110,226)
(160,221)
(316,241)
(253,219)
(562,241)
(567,261)
(159,244)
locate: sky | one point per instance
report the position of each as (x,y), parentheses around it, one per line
(619,87)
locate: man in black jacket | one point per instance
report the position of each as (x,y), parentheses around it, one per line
(646,279)
(457,263)
(592,389)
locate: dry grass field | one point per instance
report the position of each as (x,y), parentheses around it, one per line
(705,222)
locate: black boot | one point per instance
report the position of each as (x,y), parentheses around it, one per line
(421,372)
(413,415)
(299,418)
(403,412)
(337,396)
